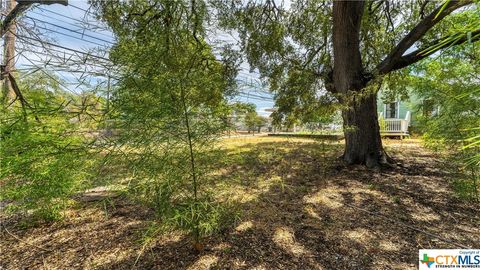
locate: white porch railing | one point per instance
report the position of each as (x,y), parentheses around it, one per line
(395,125)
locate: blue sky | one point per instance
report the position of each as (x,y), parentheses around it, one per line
(71,32)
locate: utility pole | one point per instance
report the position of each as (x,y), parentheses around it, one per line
(9,54)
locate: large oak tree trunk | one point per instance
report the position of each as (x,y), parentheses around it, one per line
(362,133)
(363,144)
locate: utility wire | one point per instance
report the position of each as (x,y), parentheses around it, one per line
(71,30)
(61,63)
(65,52)
(96,74)
(68,60)
(67,17)
(50,76)
(79,8)
(65,65)
(80,25)
(62,47)
(71,36)
(62,55)
(241,93)
(248,95)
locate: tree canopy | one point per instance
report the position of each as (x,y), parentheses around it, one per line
(292,45)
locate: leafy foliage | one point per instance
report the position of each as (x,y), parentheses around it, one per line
(253,121)
(291,45)
(450,88)
(42,155)
(168,108)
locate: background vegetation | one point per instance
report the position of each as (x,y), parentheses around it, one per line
(157,139)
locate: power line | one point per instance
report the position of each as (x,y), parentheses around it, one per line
(50,49)
(252,98)
(62,47)
(60,68)
(62,63)
(59,64)
(96,74)
(255,96)
(73,24)
(56,64)
(50,76)
(79,8)
(71,36)
(68,59)
(64,16)
(241,94)
(66,55)
(71,30)
(256,90)
(62,55)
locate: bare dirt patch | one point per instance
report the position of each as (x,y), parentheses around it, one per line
(300,209)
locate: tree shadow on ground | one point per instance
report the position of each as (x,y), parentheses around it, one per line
(299,210)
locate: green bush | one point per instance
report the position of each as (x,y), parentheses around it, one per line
(168,109)
(451,118)
(38,171)
(42,154)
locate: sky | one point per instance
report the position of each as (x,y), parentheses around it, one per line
(71,32)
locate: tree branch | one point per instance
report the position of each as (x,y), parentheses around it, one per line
(347,59)
(21,7)
(423,52)
(418,32)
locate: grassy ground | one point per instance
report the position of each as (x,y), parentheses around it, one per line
(300,208)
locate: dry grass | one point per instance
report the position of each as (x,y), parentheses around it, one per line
(299,210)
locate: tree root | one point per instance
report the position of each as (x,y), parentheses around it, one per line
(373,161)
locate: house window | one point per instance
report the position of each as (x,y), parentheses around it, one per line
(391,110)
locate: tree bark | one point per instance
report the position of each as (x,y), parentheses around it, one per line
(363,144)
(348,79)
(9,56)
